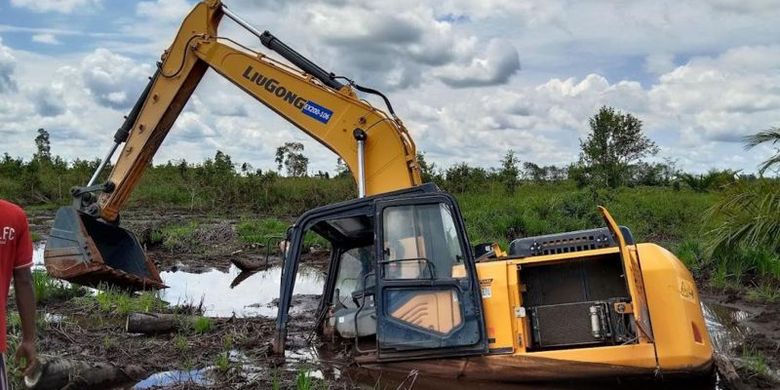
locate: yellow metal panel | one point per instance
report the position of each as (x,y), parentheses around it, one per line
(635,355)
(633,279)
(675,308)
(179,75)
(496,304)
(520,328)
(390,160)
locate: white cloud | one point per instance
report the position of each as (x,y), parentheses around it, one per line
(163,10)
(47,38)
(721,98)
(7,65)
(114,80)
(453,79)
(499,63)
(659,63)
(61,6)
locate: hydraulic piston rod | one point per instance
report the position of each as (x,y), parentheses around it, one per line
(270,41)
(360,137)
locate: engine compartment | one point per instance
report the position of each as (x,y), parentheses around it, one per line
(577,302)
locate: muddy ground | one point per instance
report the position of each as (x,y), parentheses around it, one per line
(234,352)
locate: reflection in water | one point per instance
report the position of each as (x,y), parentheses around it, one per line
(176,377)
(726,327)
(250,298)
(38,254)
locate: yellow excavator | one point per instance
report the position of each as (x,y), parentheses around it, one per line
(404,284)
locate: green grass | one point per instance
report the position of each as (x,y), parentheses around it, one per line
(48,289)
(754,361)
(304,380)
(655,214)
(764,292)
(276,383)
(222,362)
(180,343)
(177,236)
(117,302)
(202,325)
(258,231)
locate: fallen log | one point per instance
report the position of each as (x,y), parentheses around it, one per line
(248,264)
(56,373)
(152,323)
(244,275)
(728,372)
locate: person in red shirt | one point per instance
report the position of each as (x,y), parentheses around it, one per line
(15,261)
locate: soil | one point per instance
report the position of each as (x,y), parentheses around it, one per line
(763,336)
(83,330)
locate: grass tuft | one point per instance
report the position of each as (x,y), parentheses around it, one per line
(202,325)
(48,289)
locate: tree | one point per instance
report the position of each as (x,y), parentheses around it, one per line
(342,170)
(460,178)
(615,142)
(770,136)
(427,170)
(509,171)
(290,156)
(43,146)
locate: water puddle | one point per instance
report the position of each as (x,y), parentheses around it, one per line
(726,326)
(38,254)
(175,377)
(252,297)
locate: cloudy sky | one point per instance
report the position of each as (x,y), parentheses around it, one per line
(470,78)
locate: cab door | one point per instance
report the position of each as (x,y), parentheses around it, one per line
(428,298)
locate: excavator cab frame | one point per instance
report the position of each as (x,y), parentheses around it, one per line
(423,303)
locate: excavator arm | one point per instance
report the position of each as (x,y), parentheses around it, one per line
(375,145)
(329,114)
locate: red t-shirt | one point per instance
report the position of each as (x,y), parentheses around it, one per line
(15,252)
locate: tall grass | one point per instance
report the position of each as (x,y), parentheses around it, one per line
(48,289)
(653,214)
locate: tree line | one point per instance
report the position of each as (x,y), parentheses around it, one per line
(612,155)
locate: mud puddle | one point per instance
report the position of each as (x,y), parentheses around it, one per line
(726,326)
(251,297)
(175,377)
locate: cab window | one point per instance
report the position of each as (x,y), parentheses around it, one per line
(421,242)
(354,265)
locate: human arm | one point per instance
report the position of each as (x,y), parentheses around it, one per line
(25,302)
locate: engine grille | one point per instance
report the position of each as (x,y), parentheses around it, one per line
(581,240)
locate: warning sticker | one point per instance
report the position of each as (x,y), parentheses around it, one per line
(487,292)
(687,290)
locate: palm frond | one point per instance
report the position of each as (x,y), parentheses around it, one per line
(769,163)
(747,216)
(771,135)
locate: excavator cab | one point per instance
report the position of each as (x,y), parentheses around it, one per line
(402,282)
(84,250)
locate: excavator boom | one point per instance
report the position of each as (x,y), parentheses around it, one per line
(374,145)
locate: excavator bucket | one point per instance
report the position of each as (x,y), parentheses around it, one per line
(83,250)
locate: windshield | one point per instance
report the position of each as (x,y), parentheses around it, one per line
(421,241)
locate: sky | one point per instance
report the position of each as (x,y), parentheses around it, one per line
(471,79)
